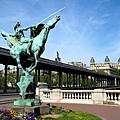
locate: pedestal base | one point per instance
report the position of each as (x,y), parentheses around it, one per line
(39,110)
(27,102)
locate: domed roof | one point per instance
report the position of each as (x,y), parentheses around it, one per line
(107,60)
(92,61)
(119,60)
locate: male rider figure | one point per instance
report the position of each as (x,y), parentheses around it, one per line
(19,34)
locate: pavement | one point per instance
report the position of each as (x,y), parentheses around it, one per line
(8,97)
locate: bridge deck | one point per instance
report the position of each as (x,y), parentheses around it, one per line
(5,58)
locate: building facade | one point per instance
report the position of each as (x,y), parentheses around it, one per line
(107,67)
(79,64)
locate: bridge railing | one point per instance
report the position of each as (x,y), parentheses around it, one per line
(113,96)
(77,96)
(96,96)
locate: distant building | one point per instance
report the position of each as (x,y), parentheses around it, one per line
(10,70)
(79,64)
(106,66)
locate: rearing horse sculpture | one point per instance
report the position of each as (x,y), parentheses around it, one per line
(39,35)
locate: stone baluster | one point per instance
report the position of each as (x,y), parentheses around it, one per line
(75,95)
(90,96)
(70,95)
(67,95)
(78,95)
(115,96)
(112,96)
(86,96)
(63,95)
(81,96)
(48,95)
(108,96)
(118,96)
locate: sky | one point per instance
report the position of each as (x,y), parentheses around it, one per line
(87,27)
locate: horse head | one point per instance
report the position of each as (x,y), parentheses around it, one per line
(57,18)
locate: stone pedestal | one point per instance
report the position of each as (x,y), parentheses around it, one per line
(39,110)
(27,102)
(27,91)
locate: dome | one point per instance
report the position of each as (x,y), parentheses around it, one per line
(92,61)
(119,60)
(107,60)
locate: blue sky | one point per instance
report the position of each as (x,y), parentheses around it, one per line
(87,27)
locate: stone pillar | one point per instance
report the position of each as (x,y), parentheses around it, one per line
(5,82)
(70,80)
(115,82)
(38,74)
(50,80)
(17,79)
(73,80)
(83,81)
(56,95)
(67,80)
(98,96)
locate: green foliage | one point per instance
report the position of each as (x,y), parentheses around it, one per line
(76,115)
(44,78)
(72,115)
(55,79)
(118,72)
(49,118)
(88,82)
(2,82)
(64,79)
(11,78)
(102,71)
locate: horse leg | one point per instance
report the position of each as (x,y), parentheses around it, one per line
(35,64)
(20,66)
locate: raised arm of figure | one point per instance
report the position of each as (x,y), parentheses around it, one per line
(24,29)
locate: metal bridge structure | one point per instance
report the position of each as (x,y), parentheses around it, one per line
(77,78)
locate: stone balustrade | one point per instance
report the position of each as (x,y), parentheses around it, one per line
(113,96)
(96,96)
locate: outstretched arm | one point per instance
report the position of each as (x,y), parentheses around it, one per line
(24,29)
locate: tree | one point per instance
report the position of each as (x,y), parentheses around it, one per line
(102,71)
(43,78)
(2,78)
(118,72)
(11,79)
(54,79)
(64,79)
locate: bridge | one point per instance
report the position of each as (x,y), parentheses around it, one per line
(77,77)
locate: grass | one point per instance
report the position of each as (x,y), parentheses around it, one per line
(70,115)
